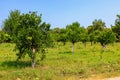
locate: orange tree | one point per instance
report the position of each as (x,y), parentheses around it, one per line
(31,36)
(73,32)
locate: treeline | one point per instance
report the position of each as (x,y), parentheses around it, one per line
(97,32)
(31,35)
(74,32)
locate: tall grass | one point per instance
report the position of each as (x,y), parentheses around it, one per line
(61,64)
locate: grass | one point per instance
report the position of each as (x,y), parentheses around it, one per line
(61,64)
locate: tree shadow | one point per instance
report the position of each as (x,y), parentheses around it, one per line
(16,64)
(65,52)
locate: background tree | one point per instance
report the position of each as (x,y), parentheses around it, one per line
(84,37)
(11,23)
(116,28)
(62,37)
(59,35)
(73,33)
(90,33)
(98,25)
(96,35)
(55,33)
(94,29)
(106,37)
(31,35)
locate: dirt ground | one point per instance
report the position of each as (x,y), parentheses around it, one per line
(116,78)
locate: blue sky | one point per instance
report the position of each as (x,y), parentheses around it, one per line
(59,13)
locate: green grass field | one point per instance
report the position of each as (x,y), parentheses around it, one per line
(61,64)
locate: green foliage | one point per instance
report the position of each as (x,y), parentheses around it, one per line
(106,37)
(98,25)
(30,35)
(4,37)
(1,36)
(55,34)
(62,36)
(59,35)
(11,23)
(95,29)
(73,32)
(96,35)
(84,37)
(116,28)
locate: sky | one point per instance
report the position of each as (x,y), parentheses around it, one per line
(60,13)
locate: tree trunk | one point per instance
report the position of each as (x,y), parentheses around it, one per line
(104,47)
(91,43)
(84,44)
(33,58)
(72,47)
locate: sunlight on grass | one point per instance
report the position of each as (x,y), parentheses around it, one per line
(61,64)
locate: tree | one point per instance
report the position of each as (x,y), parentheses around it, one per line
(98,25)
(116,28)
(94,29)
(55,34)
(62,37)
(31,36)
(58,35)
(11,23)
(84,37)
(106,37)
(73,33)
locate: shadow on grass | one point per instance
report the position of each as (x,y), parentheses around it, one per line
(16,64)
(66,52)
